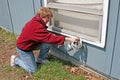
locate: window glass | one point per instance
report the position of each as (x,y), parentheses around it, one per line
(82,18)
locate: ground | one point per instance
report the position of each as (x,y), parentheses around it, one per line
(8,48)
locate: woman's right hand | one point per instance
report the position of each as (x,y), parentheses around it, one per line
(72,39)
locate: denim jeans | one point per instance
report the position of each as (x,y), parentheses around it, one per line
(26,59)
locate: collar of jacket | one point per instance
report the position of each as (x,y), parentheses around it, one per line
(41,20)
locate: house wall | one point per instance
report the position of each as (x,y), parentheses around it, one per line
(104,60)
(5,18)
(115,70)
(14,14)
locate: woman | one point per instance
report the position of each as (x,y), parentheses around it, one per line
(35,35)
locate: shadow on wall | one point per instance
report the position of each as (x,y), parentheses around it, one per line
(81,54)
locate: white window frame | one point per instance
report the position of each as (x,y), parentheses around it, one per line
(104,26)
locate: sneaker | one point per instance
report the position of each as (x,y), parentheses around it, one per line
(42,61)
(12,63)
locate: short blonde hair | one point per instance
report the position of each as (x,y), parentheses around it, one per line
(45,12)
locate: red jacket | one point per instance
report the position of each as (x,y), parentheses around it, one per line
(34,33)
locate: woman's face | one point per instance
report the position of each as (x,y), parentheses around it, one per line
(47,19)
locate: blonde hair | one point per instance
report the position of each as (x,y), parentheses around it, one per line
(45,12)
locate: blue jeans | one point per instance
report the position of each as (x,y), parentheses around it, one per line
(26,59)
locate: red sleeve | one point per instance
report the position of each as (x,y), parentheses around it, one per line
(40,34)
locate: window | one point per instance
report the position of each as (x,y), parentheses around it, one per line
(86,19)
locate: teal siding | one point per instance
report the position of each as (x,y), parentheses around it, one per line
(21,11)
(104,60)
(15,13)
(5,19)
(101,59)
(115,68)
(37,4)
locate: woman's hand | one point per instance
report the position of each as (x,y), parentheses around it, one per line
(72,39)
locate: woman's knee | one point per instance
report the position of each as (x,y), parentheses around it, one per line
(32,70)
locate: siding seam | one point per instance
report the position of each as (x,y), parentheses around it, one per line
(33,6)
(10,17)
